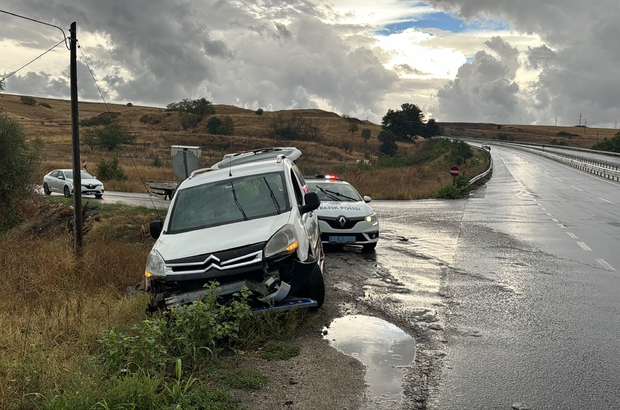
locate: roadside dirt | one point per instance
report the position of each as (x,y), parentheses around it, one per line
(322,377)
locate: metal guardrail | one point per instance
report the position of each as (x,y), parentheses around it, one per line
(605,169)
(485,173)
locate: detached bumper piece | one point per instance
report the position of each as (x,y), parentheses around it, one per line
(275,296)
(290,303)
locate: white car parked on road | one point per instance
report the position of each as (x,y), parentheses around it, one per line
(61,181)
(345,217)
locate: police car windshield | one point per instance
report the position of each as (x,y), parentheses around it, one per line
(334,191)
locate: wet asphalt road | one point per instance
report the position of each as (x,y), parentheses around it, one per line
(524,277)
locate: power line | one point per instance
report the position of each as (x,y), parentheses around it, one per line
(32,61)
(115,123)
(40,22)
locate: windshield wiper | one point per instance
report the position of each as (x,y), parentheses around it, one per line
(273,197)
(329,193)
(245,217)
(340,195)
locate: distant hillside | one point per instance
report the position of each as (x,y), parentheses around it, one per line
(157,129)
(334,146)
(581,137)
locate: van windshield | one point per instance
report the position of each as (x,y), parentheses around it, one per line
(229,201)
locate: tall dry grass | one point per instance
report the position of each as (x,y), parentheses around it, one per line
(55,306)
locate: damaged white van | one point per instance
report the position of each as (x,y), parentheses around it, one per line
(248,221)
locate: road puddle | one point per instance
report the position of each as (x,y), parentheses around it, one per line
(382,347)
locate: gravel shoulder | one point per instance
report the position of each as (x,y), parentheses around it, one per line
(322,377)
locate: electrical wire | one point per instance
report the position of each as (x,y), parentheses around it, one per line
(116,124)
(32,61)
(40,22)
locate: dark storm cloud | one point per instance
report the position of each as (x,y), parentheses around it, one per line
(267,53)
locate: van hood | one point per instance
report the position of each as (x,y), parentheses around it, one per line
(333,209)
(219,238)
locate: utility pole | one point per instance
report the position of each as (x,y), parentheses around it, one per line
(556,121)
(75,136)
(580,119)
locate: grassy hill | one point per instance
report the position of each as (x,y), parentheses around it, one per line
(334,150)
(580,137)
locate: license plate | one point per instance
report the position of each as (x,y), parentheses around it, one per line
(342,239)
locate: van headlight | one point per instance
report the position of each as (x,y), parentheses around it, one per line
(155,265)
(371,218)
(283,241)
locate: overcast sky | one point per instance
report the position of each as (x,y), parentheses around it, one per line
(500,61)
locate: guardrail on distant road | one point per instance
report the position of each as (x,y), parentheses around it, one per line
(605,169)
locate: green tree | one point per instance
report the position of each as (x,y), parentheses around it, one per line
(191,112)
(388,143)
(108,137)
(431,129)
(259,111)
(461,152)
(366,134)
(407,123)
(609,144)
(221,126)
(294,127)
(353,127)
(28,100)
(18,164)
(110,170)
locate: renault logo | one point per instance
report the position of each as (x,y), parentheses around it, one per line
(342,221)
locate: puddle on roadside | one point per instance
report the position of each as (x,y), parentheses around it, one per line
(382,347)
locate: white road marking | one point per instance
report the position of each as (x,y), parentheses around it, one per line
(559,179)
(543,209)
(584,246)
(549,214)
(572,235)
(578,189)
(562,226)
(605,265)
(605,200)
(555,220)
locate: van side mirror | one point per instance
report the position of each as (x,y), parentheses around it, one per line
(312,202)
(155,228)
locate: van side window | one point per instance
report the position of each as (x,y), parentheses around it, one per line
(297,189)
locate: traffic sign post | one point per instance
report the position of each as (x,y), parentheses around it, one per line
(454,171)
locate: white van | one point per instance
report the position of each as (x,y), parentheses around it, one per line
(248,221)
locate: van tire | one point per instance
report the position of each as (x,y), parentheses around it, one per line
(314,287)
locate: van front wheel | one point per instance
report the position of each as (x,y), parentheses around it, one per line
(314,287)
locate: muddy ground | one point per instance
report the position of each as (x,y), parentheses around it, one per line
(322,377)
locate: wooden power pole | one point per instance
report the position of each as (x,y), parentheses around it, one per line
(75,137)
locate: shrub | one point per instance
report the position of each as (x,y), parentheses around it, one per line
(110,170)
(366,134)
(221,126)
(191,112)
(104,118)
(188,333)
(18,163)
(46,105)
(28,100)
(259,111)
(157,162)
(294,127)
(110,137)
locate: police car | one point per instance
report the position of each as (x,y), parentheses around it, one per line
(345,218)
